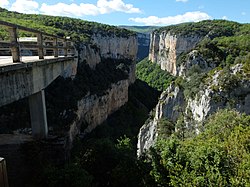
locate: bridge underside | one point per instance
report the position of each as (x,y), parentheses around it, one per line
(29,80)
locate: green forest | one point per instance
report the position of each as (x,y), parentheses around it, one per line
(153,75)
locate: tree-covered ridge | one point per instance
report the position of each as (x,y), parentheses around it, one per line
(212,28)
(153,75)
(219,156)
(77,29)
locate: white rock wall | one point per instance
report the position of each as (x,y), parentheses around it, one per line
(165,48)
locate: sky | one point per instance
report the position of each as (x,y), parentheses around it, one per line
(136,12)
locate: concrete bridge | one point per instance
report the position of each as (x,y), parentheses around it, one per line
(28,76)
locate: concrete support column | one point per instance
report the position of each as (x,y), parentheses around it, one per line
(55,44)
(38,115)
(15,51)
(65,48)
(3,173)
(40,46)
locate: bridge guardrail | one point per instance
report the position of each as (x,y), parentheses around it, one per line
(54,43)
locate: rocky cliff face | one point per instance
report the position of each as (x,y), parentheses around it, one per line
(207,79)
(193,58)
(90,54)
(167,107)
(222,89)
(107,46)
(115,47)
(165,47)
(92,110)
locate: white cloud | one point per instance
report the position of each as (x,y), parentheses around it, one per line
(25,6)
(62,9)
(225,17)
(187,17)
(102,7)
(182,1)
(4,3)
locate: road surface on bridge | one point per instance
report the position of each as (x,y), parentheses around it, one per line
(7,60)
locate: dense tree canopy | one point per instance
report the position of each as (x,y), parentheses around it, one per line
(152,74)
(219,156)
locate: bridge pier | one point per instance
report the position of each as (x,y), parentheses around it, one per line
(38,115)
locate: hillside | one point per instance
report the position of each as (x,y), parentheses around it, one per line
(79,30)
(187,139)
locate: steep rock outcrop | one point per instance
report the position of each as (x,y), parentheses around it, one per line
(168,107)
(231,89)
(165,47)
(92,110)
(147,136)
(90,54)
(193,58)
(169,103)
(116,47)
(106,46)
(222,89)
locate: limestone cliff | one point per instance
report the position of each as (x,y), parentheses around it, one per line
(210,75)
(107,46)
(112,46)
(165,47)
(90,54)
(92,110)
(222,89)
(167,107)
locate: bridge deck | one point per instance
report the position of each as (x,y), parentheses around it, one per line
(7,60)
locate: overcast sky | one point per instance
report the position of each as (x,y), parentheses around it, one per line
(136,12)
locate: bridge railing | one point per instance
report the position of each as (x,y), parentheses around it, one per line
(43,42)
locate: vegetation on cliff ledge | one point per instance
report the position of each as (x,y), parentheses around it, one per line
(152,74)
